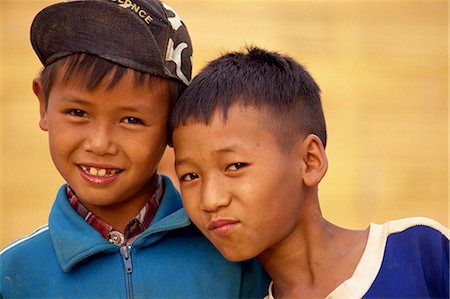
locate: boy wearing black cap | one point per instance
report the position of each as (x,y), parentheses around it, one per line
(112,71)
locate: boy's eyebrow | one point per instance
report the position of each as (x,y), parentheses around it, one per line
(139,109)
(76,100)
(227,149)
(182,161)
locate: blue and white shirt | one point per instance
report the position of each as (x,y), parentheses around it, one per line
(407,258)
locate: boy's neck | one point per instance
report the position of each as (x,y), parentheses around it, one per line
(316,259)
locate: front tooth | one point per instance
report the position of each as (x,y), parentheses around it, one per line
(93,171)
(101,172)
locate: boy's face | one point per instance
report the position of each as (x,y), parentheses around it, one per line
(238,186)
(107,143)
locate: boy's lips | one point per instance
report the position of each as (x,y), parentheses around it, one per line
(222,226)
(99,175)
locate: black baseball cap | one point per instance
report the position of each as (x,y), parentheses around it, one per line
(145,35)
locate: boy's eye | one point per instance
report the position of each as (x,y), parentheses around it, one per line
(235,166)
(77,112)
(133,120)
(189,177)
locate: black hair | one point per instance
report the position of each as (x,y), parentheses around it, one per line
(94,69)
(259,78)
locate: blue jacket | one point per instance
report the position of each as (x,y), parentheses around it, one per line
(171,259)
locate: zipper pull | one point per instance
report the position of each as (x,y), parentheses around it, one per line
(125,251)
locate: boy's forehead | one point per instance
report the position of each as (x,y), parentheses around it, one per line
(239,109)
(227,116)
(87,77)
(242,128)
(126,93)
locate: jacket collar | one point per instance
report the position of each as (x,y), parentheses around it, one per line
(75,240)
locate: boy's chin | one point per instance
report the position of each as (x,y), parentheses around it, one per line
(235,255)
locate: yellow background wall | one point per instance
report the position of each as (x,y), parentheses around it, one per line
(382,67)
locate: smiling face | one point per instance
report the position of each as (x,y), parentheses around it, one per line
(107,143)
(238,186)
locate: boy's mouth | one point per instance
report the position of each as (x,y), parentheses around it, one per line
(100,172)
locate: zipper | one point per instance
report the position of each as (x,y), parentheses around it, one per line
(126,254)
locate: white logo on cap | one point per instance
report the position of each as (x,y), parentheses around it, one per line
(174,54)
(174,21)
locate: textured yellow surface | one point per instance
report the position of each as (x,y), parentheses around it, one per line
(382,67)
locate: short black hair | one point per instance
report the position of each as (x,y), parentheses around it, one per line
(259,78)
(94,69)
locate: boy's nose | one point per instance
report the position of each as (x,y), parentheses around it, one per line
(100,141)
(214,195)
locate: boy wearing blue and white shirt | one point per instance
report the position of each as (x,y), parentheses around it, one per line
(249,137)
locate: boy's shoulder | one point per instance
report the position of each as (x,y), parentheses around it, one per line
(409,238)
(37,239)
(64,222)
(407,258)
(400,225)
(30,254)
(413,259)
(414,230)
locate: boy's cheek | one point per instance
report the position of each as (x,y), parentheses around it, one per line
(191,207)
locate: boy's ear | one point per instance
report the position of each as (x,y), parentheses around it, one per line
(314,160)
(39,92)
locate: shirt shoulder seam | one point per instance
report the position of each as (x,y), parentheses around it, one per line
(37,232)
